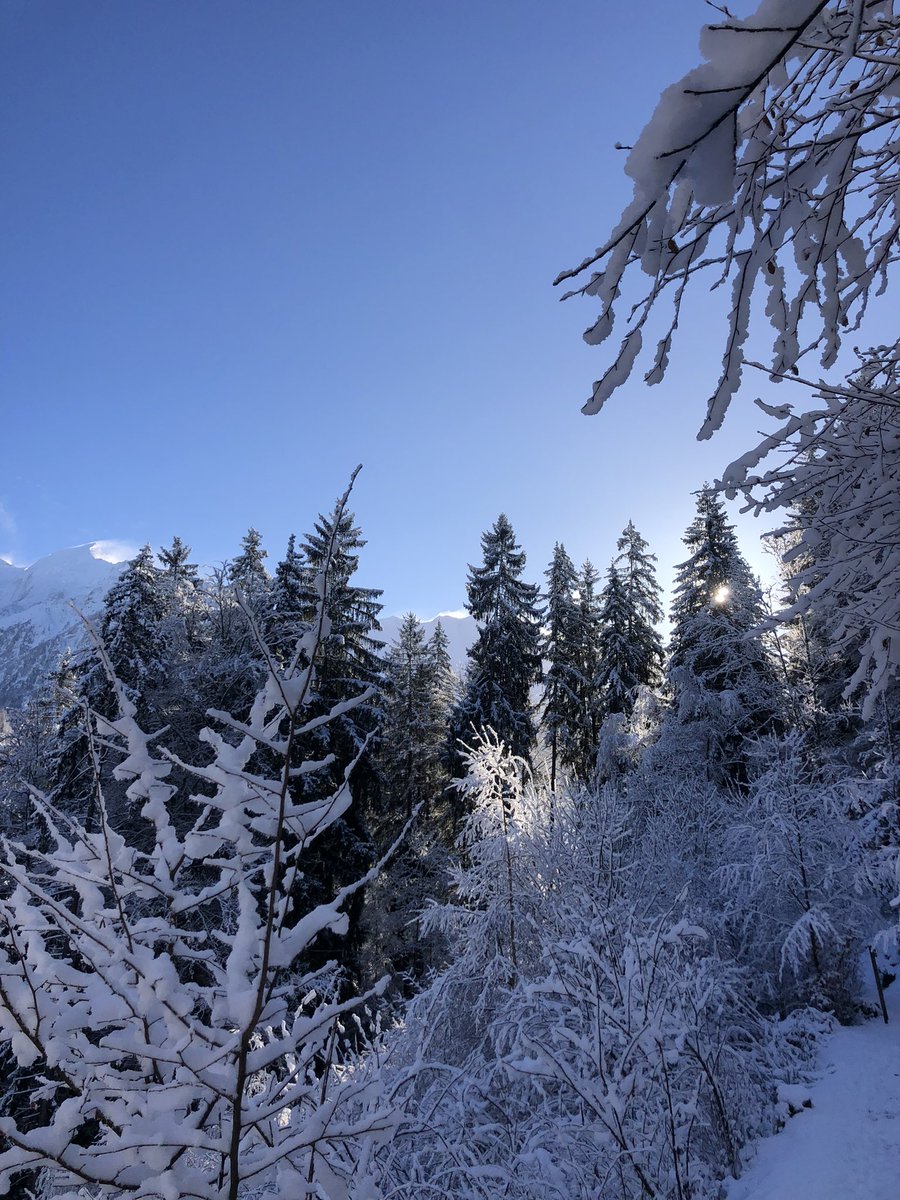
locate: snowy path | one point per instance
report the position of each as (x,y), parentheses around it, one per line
(847,1146)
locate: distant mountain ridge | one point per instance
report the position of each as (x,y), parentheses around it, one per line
(38,621)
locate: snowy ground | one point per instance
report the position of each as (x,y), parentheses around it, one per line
(847,1146)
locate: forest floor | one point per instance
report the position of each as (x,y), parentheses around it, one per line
(847,1145)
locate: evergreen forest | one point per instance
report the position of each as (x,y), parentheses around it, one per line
(291,910)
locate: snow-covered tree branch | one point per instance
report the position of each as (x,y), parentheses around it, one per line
(773,164)
(159,987)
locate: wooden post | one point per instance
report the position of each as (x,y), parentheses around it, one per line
(877,974)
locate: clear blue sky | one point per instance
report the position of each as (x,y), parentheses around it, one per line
(248,245)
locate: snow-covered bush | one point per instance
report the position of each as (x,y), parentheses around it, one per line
(586,1040)
(159,996)
(795,898)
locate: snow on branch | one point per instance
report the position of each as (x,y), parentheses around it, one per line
(772,165)
(161,990)
(837,484)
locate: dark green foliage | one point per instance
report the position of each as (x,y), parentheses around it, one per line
(615,675)
(348,663)
(563,694)
(630,650)
(417,702)
(505,660)
(420,688)
(350,655)
(287,602)
(584,741)
(131,631)
(637,569)
(719,668)
(247,572)
(178,572)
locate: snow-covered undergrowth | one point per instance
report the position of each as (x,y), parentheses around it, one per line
(594,1035)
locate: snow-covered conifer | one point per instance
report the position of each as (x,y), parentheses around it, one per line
(350,655)
(414,729)
(584,747)
(615,678)
(133,612)
(505,660)
(349,663)
(637,568)
(719,666)
(561,713)
(177,570)
(288,599)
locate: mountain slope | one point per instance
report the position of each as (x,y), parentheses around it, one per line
(38,617)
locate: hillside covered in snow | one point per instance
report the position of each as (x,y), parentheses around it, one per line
(38,617)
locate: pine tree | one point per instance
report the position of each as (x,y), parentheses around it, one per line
(584,743)
(410,744)
(444,681)
(615,682)
(287,601)
(630,648)
(350,655)
(348,664)
(130,628)
(248,573)
(181,587)
(505,660)
(178,571)
(638,572)
(718,661)
(562,705)
(419,690)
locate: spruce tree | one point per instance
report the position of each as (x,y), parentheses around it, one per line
(630,650)
(348,663)
(445,684)
(637,569)
(505,660)
(584,743)
(247,572)
(287,602)
(350,655)
(562,704)
(415,717)
(717,648)
(238,598)
(177,571)
(133,630)
(181,587)
(130,629)
(615,680)
(419,690)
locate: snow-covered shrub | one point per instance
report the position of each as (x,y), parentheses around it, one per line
(586,1040)
(180,1046)
(796,902)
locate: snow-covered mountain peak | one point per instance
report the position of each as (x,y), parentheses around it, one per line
(75,574)
(38,617)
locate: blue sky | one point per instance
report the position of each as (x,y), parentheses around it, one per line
(248,245)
